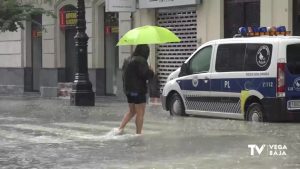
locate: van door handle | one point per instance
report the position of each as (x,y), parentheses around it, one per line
(206,79)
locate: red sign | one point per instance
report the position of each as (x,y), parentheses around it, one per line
(107,29)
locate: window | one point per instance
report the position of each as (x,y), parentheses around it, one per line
(201,61)
(239,13)
(243,57)
(230,57)
(258,57)
(293,59)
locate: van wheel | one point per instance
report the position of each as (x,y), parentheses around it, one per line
(176,106)
(255,113)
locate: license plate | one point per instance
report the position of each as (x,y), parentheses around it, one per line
(293,104)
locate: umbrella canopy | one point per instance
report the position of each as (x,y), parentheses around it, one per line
(148,35)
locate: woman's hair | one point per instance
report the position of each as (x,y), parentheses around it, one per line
(142,50)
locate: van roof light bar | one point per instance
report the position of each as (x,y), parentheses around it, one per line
(262,31)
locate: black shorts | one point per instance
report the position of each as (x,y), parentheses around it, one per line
(136,98)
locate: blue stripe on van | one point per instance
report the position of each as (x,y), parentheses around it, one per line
(266,86)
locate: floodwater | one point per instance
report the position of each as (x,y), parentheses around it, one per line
(48,133)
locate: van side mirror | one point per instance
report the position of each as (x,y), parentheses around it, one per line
(184,70)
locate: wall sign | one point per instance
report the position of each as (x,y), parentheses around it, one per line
(166,3)
(36,34)
(67,19)
(120,5)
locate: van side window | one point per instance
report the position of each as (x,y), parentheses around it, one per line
(230,57)
(243,57)
(258,57)
(293,59)
(201,61)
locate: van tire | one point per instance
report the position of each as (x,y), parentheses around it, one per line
(176,105)
(255,113)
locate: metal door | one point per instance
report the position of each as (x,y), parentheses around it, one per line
(183,22)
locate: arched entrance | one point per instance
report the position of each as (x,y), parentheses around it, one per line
(68,25)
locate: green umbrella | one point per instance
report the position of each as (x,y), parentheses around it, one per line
(148,35)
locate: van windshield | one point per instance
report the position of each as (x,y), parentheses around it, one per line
(293,58)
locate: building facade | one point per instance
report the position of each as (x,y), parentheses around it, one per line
(41,59)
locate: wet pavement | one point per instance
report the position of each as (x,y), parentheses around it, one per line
(49,133)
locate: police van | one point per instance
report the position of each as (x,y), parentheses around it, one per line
(250,78)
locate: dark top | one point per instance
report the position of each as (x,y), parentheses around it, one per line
(136,72)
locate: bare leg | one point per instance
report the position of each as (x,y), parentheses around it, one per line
(128,116)
(139,120)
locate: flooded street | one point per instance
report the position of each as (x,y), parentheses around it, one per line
(48,133)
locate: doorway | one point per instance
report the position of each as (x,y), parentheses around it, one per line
(36,40)
(111,30)
(70,54)
(68,19)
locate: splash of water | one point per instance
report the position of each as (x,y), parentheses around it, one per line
(116,134)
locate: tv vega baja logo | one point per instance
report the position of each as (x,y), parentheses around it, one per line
(268,149)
